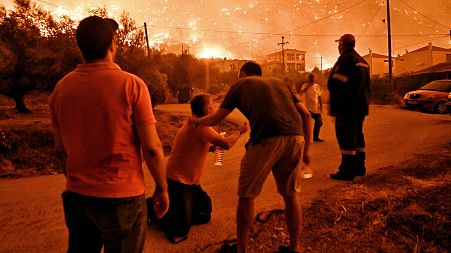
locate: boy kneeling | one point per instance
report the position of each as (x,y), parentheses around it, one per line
(189,204)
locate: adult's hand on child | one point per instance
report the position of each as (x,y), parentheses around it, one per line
(194,121)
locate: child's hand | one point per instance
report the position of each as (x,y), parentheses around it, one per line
(243,128)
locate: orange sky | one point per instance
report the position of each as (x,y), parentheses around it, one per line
(248,29)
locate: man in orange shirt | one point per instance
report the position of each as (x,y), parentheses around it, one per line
(104,127)
(185,167)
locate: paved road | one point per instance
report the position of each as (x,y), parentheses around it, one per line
(31,217)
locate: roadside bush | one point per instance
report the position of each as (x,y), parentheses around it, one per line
(382,92)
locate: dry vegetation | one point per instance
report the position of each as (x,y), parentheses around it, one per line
(26,140)
(403,208)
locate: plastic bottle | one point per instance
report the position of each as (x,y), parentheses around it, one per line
(306,171)
(219,153)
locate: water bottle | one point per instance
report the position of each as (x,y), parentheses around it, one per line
(306,171)
(219,153)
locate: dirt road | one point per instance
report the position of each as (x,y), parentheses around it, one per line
(31,216)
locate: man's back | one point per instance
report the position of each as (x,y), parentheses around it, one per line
(311,92)
(268,104)
(96,107)
(349,95)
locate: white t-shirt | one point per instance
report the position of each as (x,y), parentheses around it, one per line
(311,93)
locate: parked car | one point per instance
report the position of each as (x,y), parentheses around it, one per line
(448,104)
(431,97)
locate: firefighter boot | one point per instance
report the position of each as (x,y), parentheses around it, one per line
(346,169)
(360,169)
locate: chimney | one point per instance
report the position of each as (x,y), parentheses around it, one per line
(430,45)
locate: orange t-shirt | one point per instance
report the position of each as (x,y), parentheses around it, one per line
(95,108)
(189,153)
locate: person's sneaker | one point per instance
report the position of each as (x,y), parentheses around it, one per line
(228,248)
(318,140)
(342,176)
(286,249)
(175,239)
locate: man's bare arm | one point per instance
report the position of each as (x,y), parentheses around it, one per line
(61,155)
(212,119)
(320,104)
(307,127)
(154,158)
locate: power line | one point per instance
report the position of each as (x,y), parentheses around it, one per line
(313,22)
(275,34)
(424,15)
(326,17)
(50,4)
(371,21)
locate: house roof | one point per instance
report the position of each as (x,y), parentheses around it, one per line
(374,55)
(287,51)
(440,67)
(434,48)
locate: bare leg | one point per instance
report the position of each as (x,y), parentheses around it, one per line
(244,219)
(293,215)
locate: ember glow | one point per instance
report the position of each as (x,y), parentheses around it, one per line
(214,52)
(252,29)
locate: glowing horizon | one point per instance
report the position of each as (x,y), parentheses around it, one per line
(252,28)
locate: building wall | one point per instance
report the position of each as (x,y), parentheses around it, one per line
(294,60)
(228,65)
(378,65)
(440,56)
(412,62)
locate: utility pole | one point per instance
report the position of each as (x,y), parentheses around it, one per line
(147,39)
(321,63)
(390,67)
(283,54)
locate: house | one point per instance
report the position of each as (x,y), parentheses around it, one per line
(225,65)
(421,58)
(294,59)
(378,63)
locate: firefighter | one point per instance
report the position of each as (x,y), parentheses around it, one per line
(349,90)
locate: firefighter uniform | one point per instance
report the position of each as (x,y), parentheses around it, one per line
(349,90)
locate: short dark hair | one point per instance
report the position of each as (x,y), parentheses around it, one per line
(251,69)
(94,35)
(199,104)
(311,76)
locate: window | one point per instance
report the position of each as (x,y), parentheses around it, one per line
(300,57)
(290,57)
(300,67)
(290,66)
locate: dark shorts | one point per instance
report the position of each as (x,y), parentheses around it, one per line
(189,205)
(116,224)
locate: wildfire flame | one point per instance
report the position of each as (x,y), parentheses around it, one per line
(213,52)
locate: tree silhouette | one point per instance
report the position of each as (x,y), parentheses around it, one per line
(35,51)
